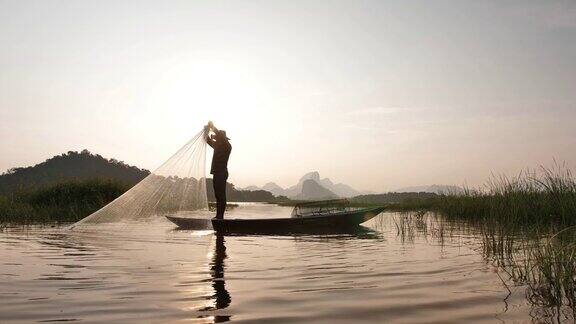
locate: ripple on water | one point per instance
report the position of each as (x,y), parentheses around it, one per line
(154,273)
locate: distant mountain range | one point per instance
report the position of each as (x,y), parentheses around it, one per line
(311,187)
(84,165)
(437,189)
(312,190)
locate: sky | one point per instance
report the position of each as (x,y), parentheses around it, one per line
(375,94)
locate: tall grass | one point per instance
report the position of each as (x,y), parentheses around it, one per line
(543,198)
(528,228)
(65,202)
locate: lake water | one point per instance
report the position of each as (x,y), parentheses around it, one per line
(156,273)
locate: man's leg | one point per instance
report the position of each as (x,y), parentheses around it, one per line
(216,186)
(220,194)
(222,202)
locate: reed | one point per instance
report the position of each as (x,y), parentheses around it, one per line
(531,200)
(527,225)
(64,202)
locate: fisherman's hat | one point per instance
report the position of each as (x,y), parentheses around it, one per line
(223,133)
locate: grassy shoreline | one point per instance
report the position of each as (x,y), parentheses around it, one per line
(65,202)
(532,200)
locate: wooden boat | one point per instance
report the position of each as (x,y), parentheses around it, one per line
(322,220)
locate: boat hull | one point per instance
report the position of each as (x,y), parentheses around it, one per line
(336,221)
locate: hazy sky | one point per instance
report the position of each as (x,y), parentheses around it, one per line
(376,94)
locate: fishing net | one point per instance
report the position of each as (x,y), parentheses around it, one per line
(177,187)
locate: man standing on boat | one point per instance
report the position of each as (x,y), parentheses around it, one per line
(219,169)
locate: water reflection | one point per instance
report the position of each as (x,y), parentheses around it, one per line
(221,295)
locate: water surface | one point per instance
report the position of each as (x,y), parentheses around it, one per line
(155,273)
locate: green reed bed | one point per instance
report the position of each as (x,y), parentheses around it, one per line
(546,267)
(532,199)
(64,202)
(528,229)
(527,226)
(550,271)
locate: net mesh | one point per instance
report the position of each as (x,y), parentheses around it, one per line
(177,187)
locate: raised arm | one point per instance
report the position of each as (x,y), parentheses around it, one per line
(211,125)
(207,128)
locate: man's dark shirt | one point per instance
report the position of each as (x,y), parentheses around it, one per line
(222,149)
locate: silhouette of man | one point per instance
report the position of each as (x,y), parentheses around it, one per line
(219,169)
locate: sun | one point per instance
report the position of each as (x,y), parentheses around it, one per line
(209,89)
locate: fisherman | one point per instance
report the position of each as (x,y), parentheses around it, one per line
(219,169)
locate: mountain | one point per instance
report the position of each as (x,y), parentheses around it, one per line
(312,190)
(314,175)
(239,195)
(342,190)
(297,191)
(70,166)
(270,187)
(275,189)
(437,189)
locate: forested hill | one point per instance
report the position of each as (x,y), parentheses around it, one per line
(70,166)
(80,166)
